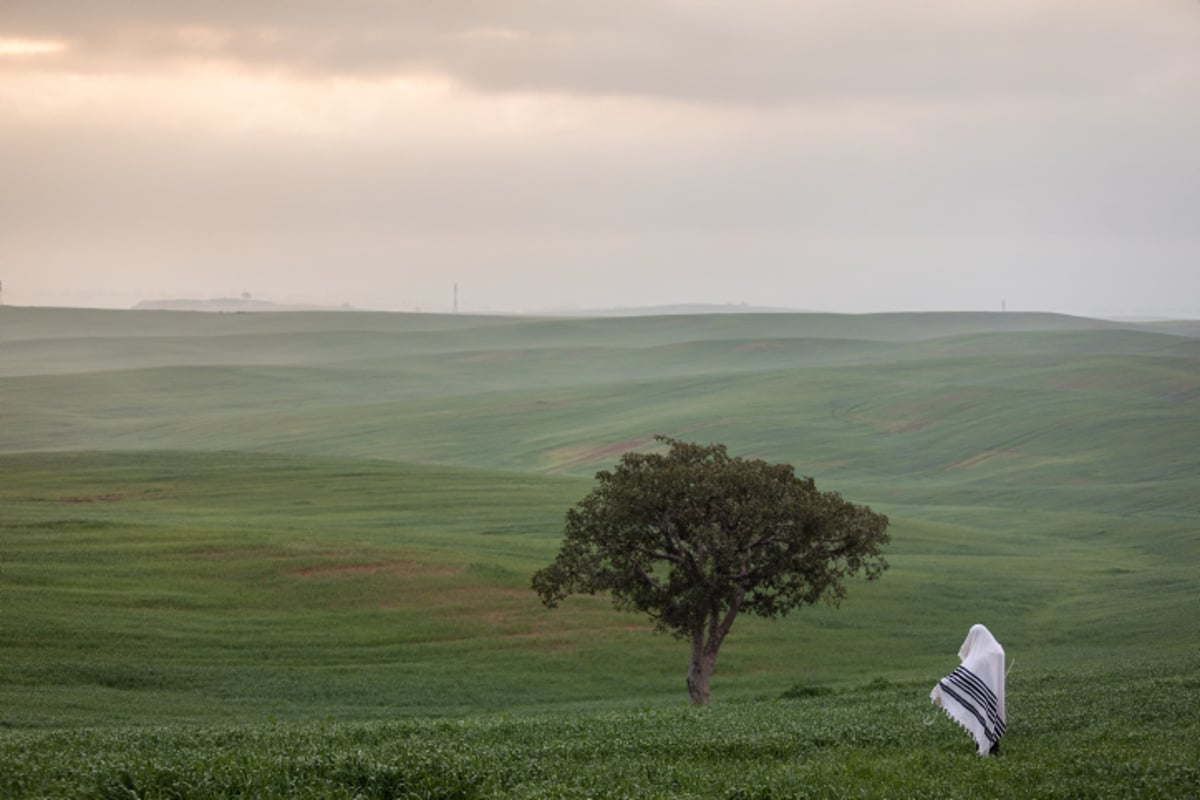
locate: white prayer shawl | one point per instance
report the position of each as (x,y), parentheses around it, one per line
(973,695)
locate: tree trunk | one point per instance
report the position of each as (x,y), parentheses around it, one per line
(704,654)
(700,670)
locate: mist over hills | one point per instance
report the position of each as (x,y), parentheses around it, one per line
(234,304)
(866,394)
(1182,326)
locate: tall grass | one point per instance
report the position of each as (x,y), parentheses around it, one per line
(1127,731)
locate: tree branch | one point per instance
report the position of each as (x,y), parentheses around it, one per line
(650,553)
(648,578)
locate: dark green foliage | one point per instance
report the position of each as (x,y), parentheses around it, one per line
(679,534)
(693,537)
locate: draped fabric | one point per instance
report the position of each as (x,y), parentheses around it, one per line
(973,694)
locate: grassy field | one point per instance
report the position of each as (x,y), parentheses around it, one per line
(308,538)
(1119,733)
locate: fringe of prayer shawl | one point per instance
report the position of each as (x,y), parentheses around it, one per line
(973,705)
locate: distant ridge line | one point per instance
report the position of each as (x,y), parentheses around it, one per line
(218,304)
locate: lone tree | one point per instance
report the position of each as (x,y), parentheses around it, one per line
(694,537)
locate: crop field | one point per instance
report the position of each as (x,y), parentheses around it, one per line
(259,555)
(1124,732)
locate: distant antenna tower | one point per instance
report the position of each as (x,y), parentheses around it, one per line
(1,293)
(456,297)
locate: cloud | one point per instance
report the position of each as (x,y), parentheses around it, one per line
(701,51)
(847,154)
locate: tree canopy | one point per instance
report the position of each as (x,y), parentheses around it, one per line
(693,537)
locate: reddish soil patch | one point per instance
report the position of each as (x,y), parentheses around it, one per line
(535,405)
(214,554)
(980,457)
(262,554)
(92,498)
(577,456)
(917,415)
(565,458)
(892,426)
(610,450)
(404,569)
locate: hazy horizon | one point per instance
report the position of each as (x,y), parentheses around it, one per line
(849,157)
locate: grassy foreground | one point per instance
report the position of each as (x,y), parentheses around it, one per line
(1132,730)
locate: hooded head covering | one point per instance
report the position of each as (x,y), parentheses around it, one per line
(973,695)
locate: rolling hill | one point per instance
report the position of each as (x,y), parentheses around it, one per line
(337,513)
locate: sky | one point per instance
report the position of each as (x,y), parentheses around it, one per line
(559,155)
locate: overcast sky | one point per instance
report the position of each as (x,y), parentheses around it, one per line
(552,155)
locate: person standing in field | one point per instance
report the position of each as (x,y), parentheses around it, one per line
(973,694)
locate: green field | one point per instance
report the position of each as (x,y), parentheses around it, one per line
(307,538)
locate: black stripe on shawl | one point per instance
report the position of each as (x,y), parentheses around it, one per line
(984,697)
(972,683)
(993,719)
(969,706)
